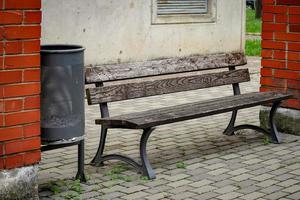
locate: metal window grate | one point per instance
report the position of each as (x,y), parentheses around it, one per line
(181,7)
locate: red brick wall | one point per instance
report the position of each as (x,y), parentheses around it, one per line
(20,33)
(281,48)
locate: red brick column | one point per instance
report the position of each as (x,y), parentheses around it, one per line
(281,49)
(20,33)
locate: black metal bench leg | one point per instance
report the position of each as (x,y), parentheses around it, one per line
(80,173)
(146,166)
(273,133)
(97,159)
(273,130)
(229,129)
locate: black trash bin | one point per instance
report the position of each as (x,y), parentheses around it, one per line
(62,98)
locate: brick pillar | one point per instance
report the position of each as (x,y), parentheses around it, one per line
(20,33)
(281,58)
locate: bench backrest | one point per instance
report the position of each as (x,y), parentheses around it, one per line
(185,79)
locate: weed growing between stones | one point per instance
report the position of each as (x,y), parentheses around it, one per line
(115,173)
(266,140)
(68,189)
(181,165)
(144,178)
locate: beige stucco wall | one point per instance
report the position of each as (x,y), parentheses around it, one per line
(121,30)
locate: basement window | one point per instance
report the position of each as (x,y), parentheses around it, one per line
(183,11)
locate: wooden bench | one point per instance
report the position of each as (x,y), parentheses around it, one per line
(187,78)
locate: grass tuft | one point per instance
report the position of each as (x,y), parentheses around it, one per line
(116,173)
(253,25)
(253,48)
(68,189)
(266,140)
(181,165)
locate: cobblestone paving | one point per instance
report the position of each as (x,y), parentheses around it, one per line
(192,159)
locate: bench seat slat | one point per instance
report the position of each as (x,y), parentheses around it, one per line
(178,113)
(164,86)
(113,72)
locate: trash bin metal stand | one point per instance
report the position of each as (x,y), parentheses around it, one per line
(60,144)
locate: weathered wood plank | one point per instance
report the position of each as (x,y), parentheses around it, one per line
(102,73)
(173,114)
(164,86)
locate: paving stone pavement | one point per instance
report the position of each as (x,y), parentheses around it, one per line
(215,166)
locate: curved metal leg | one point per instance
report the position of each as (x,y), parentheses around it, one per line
(229,130)
(274,133)
(249,126)
(236,91)
(126,159)
(97,159)
(146,166)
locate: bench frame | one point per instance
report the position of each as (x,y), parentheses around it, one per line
(144,167)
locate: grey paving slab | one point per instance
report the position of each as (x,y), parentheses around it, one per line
(218,167)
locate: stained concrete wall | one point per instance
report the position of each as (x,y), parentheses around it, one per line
(122,30)
(20,183)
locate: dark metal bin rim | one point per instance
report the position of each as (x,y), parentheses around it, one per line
(61,48)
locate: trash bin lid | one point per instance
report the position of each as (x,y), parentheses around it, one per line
(61,48)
